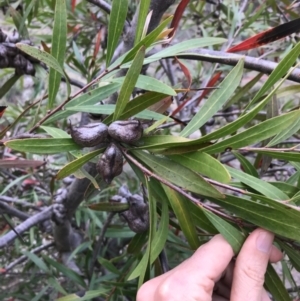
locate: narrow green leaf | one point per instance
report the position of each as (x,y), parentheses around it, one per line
(161,235)
(247,166)
(29,7)
(37,261)
(110,109)
(285,134)
(94,96)
(70,274)
(109,266)
(275,286)
(234,237)
(288,189)
(147,41)
(11,184)
(136,244)
(177,174)
(137,105)
(8,84)
(17,18)
(43,146)
(90,98)
(201,220)
(129,83)
(224,131)
(76,164)
(244,91)
(152,227)
(293,254)
(56,285)
(88,295)
(143,12)
(204,164)
(278,154)
(42,56)
(109,206)
(160,141)
(183,46)
(115,27)
(257,184)
(41,294)
(256,133)
(55,132)
(280,71)
(150,84)
(58,48)
(81,173)
(141,267)
(183,214)
(279,221)
(216,100)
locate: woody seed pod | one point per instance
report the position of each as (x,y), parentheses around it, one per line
(89,135)
(126,131)
(19,61)
(4,62)
(110,164)
(29,69)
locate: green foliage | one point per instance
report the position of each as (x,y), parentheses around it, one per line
(198,178)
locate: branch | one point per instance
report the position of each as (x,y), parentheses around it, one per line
(25,257)
(251,63)
(13,211)
(174,187)
(21,202)
(101,4)
(27,224)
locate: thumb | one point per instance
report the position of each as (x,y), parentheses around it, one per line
(251,266)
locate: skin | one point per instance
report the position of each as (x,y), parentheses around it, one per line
(212,274)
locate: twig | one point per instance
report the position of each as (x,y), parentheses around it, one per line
(174,187)
(225,186)
(27,224)
(278,150)
(13,211)
(23,203)
(24,257)
(58,108)
(101,4)
(251,63)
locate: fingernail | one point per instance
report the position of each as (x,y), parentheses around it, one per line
(264,241)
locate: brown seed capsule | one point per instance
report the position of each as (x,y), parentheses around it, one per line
(126,131)
(89,135)
(4,62)
(19,61)
(110,164)
(29,69)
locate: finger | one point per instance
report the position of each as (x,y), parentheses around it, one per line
(265,296)
(276,255)
(251,265)
(197,275)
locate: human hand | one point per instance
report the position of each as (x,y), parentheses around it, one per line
(211,274)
